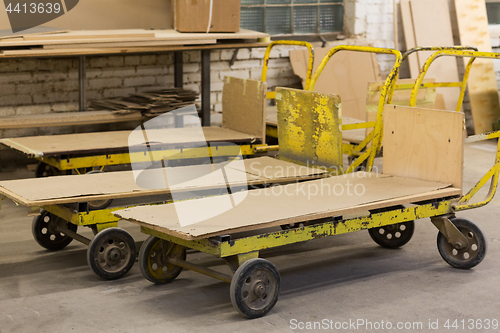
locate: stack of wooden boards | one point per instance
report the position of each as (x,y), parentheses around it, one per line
(429,23)
(149,103)
(108,41)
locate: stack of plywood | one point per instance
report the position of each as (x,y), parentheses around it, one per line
(149,103)
(106,40)
(428,23)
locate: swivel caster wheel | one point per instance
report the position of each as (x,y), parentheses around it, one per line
(394,235)
(469,255)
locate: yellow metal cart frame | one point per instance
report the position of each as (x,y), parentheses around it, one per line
(255,282)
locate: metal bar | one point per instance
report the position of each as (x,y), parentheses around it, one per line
(347,127)
(127,158)
(200,269)
(74,235)
(82,83)
(205,88)
(178,70)
(321,230)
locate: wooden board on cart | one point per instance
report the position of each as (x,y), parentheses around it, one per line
(292,203)
(121,184)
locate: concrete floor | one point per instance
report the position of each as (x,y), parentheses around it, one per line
(343,278)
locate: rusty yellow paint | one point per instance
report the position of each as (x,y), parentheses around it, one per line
(309,128)
(288,42)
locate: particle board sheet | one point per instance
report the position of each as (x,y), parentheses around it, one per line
(66,119)
(424,144)
(432,27)
(53,145)
(122,184)
(346,75)
(272,116)
(288,204)
(244,106)
(483,91)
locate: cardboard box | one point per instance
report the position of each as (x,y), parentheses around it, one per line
(194,15)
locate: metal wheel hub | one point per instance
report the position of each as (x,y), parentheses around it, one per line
(256,289)
(113,255)
(464,251)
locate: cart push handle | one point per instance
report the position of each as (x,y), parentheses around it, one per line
(386,93)
(271,95)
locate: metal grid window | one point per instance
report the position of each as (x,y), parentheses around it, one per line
(293,17)
(493,10)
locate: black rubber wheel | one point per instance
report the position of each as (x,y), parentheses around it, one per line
(45,170)
(98,204)
(469,256)
(152,262)
(394,235)
(111,254)
(255,287)
(44,231)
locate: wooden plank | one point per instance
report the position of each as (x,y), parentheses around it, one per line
(66,119)
(409,33)
(53,145)
(432,24)
(121,184)
(483,91)
(289,204)
(129,44)
(33,53)
(92,34)
(244,106)
(424,144)
(162,35)
(346,75)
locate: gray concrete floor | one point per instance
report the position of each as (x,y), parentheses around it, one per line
(342,278)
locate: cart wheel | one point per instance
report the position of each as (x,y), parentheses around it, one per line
(45,170)
(394,235)
(44,231)
(152,260)
(98,204)
(469,256)
(111,254)
(255,287)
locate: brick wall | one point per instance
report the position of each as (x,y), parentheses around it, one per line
(36,86)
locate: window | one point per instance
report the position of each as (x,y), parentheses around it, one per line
(493,10)
(292,17)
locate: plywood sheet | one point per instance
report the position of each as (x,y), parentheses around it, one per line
(52,145)
(290,203)
(424,144)
(409,33)
(114,185)
(346,75)
(483,91)
(244,106)
(432,25)
(66,119)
